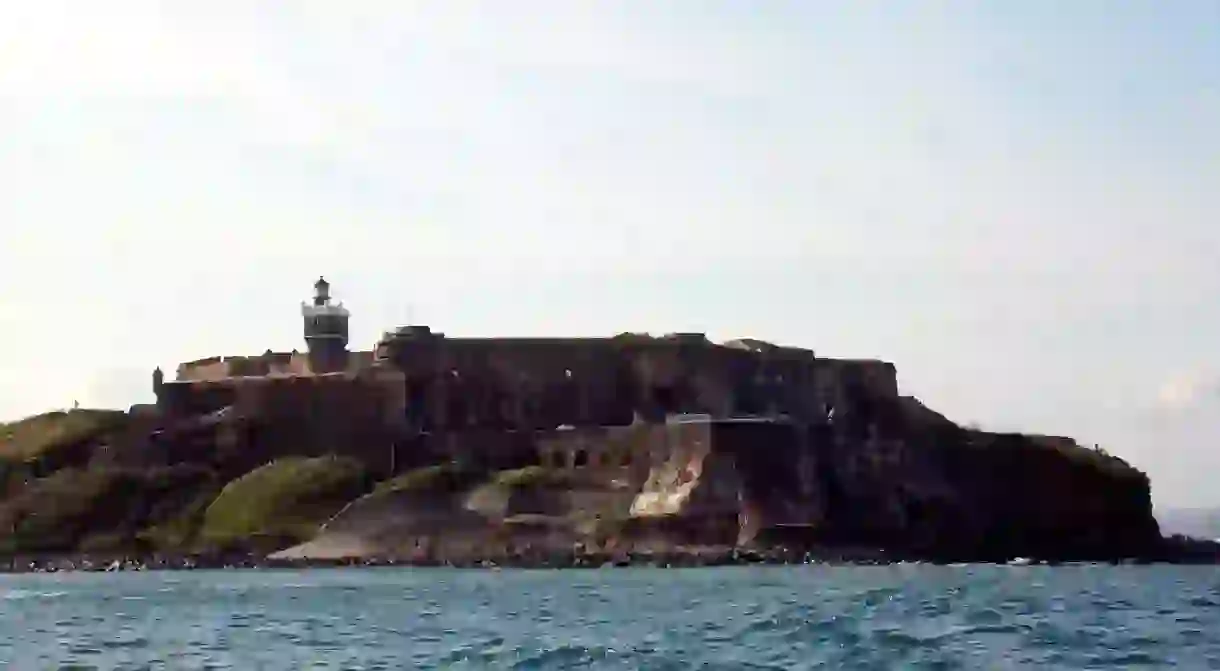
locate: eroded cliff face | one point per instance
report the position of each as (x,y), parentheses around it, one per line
(902,481)
(908,482)
(835,460)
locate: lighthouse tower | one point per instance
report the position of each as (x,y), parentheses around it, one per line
(325,330)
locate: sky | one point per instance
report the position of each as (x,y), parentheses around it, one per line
(1014,202)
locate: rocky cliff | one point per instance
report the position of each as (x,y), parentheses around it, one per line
(882,475)
(915,486)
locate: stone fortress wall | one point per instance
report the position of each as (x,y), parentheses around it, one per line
(487,387)
(571,402)
(273,364)
(543,383)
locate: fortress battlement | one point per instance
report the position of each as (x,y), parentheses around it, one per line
(268,364)
(430,382)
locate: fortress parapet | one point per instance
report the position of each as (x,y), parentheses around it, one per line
(441,383)
(268,364)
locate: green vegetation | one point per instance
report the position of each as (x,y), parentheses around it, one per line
(40,435)
(102,508)
(495,492)
(533,477)
(436,479)
(285,499)
(177,532)
(53,513)
(56,498)
(498,491)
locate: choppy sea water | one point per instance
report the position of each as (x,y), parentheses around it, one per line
(835,617)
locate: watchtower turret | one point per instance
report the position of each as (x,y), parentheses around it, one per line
(325,330)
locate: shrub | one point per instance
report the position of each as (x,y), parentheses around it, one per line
(287,498)
(35,437)
(446,478)
(177,533)
(534,477)
(53,513)
(102,506)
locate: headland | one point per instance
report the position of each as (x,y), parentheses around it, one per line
(432,449)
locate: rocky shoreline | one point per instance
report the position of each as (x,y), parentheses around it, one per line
(881,479)
(550,560)
(1177,551)
(551,452)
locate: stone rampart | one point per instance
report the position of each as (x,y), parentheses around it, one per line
(510,402)
(268,364)
(540,384)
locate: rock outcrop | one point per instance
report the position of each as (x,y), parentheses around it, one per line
(913,486)
(873,470)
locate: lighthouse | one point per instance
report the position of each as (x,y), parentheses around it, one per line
(325,330)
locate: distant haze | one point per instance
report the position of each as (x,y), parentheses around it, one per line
(1197,522)
(1014,202)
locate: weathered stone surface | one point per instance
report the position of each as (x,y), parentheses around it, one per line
(911,490)
(629,443)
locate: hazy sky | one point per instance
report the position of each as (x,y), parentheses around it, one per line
(1016,202)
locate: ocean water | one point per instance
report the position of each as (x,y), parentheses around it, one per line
(834,617)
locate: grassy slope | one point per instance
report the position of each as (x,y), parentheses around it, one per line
(169,509)
(285,499)
(75,508)
(444,478)
(35,436)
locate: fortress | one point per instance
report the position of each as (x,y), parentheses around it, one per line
(630,440)
(418,392)
(442,383)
